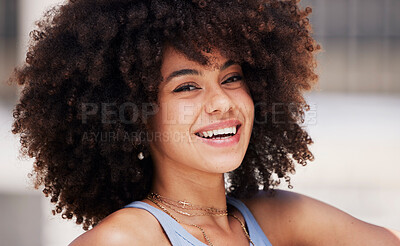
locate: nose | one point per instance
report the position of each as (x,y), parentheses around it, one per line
(218,101)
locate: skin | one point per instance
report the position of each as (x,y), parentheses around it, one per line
(187,169)
(210,100)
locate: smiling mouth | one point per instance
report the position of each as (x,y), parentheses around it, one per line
(222,133)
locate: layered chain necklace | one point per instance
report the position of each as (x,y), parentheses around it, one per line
(183,208)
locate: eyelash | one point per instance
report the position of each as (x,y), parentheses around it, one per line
(186,86)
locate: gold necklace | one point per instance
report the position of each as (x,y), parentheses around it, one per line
(243,227)
(152,198)
(194,214)
(177,205)
(187,205)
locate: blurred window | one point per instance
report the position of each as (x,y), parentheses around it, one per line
(8,46)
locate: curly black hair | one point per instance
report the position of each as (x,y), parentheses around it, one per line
(89,53)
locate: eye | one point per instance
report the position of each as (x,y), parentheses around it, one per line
(232,79)
(186,87)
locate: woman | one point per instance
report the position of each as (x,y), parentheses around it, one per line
(135,110)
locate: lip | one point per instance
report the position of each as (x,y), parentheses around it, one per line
(222,142)
(219,125)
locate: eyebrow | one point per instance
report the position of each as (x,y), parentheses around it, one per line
(183,72)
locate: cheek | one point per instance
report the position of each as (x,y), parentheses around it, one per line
(244,102)
(186,112)
(174,115)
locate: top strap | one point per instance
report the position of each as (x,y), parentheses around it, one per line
(256,233)
(162,218)
(177,235)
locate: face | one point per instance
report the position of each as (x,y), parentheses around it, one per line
(205,117)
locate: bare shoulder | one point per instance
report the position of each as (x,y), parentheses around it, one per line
(275,213)
(289,218)
(127,226)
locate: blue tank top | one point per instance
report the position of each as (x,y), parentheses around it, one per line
(178,236)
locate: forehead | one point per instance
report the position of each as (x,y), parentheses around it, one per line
(174,60)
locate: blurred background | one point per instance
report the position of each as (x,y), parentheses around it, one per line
(354,120)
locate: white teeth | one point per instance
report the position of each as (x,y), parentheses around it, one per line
(229,130)
(214,133)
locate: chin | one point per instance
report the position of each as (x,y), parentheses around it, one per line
(225,165)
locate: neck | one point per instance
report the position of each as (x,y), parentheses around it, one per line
(196,187)
(178,181)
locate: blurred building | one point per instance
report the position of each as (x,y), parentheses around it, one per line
(8,45)
(361,42)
